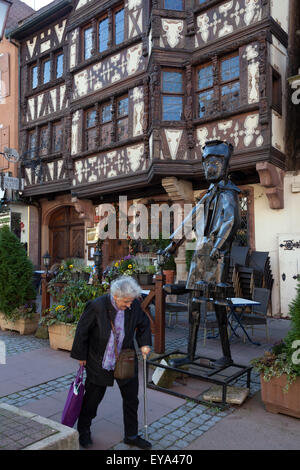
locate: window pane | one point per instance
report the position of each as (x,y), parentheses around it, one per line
(57,138)
(103,35)
(106,113)
(34,77)
(172,82)
(91,136)
(106,134)
(205,103)
(43,140)
(174,4)
(46,71)
(32,145)
(122,129)
(230,68)
(91,118)
(230,96)
(88,42)
(119,27)
(123,107)
(172,108)
(59,65)
(205,77)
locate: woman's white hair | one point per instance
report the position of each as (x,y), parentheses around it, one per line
(125,286)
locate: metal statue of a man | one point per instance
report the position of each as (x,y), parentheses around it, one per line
(208,275)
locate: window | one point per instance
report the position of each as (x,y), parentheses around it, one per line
(43,147)
(276,91)
(59,65)
(46,68)
(119,27)
(32,147)
(34,76)
(122,118)
(230,88)
(172,100)
(106,124)
(57,131)
(174,5)
(88,42)
(228,85)
(103,34)
(90,129)
(205,91)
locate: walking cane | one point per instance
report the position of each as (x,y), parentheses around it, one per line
(145,398)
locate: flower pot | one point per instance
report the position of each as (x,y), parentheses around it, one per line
(278,401)
(61,336)
(170,276)
(24,326)
(145,279)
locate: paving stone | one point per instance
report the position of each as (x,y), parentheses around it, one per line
(181,444)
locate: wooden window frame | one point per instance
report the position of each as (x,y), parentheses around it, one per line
(166,93)
(43,62)
(84,29)
(54,125)
(87,129)
(121,118)
(276,91)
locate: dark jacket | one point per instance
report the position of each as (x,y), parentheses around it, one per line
(93,332)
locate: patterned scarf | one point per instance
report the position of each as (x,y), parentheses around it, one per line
(109,358)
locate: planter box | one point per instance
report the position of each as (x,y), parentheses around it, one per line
(61,336)
(23,326)
(278,401)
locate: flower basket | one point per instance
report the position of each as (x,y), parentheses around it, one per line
(24,326)
(61,335)
(276,400)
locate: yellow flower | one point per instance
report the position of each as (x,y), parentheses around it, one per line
(71,266)
(116,265)
(130,266)
(61,268)
(59,307)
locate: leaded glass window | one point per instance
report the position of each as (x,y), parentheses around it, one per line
(106,124)
(230,91)
(103,35)
(59,65)
(57,132)
(46,71)
(90,129)
(122,118)
(34,76)
(119,26)
(88,42)
(174,5)
(43,150)
(172,100)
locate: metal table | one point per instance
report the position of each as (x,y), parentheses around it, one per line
(237,302)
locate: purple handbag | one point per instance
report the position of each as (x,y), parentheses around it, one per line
(74,400)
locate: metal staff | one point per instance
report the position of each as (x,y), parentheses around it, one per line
(145,398)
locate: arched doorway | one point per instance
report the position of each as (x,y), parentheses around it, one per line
(66,234)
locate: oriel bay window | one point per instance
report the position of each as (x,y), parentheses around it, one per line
(106,124)
(219,91)
(122,118)
(57,134)
(172,96)
(90,129)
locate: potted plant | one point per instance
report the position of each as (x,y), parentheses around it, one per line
(169,269)
(62,317)
(280,369)
(17,293)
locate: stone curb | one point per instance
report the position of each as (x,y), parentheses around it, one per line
(66,438)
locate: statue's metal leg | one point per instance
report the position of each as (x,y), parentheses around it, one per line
(194,322)
(221,315)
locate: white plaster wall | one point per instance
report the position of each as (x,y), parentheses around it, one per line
(270,223)
(23,210)
(280,13)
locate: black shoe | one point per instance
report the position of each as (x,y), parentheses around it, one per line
(223,362)
(85,439)
(138,442)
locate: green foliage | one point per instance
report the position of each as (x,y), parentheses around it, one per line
(281,359)
(170,264)
(16,274)
(71,301)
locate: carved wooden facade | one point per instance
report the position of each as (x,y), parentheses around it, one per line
(153,40)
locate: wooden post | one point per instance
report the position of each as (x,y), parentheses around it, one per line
(45,293)
(159,338)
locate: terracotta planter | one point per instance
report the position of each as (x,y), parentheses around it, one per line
(61,336)
(170,276)
(278,401)
(23,325)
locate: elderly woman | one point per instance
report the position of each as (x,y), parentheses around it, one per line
(94,348)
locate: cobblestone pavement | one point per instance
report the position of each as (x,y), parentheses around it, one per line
(175,430)
(17,432)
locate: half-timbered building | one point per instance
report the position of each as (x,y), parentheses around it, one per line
(118,98)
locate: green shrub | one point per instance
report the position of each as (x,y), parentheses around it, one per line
(16,273)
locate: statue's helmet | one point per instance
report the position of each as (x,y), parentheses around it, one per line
(219,148)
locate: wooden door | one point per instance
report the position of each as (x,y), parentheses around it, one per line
(66,235)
